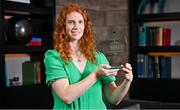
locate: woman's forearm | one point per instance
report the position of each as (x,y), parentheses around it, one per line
(74,91)
(119,93)
(68,93)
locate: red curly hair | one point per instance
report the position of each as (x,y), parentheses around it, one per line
(61,40)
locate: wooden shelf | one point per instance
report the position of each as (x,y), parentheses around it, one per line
(22,8)
(156,89)
(162,49)
(158,17)
(23,97)
(164,53)
(26,49)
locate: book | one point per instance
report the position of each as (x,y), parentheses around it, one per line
(151,6)
(38,72)
(175,69)
(143,4)
(35,41)
(165,67)
(161,4)
(156,67)
(140,66)
(153,30)
(31,73)
(151,67)
(166,36)
(159,37)
(13,68)
(143,36)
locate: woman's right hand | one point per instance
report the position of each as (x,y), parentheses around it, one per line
(104,71)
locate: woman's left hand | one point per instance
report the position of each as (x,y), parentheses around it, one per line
(127,69)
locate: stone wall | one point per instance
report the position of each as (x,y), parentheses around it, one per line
(110,24)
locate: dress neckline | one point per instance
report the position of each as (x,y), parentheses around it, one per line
(78,68)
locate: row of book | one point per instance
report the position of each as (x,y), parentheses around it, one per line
(154,36)
(19,70)
(153,66)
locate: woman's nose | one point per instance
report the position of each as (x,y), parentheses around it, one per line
(75,26)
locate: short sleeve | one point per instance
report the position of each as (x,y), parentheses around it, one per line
(54,67)
(103,60)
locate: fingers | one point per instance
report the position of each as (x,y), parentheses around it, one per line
(128,71)
(128,66)
(129,77)
(104,66)
(107,71)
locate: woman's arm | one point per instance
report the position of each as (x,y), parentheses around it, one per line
(68,93)
(116,93)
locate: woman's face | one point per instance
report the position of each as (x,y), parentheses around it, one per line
(75,25)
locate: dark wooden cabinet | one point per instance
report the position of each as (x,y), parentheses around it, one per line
(155,88)
(42,15)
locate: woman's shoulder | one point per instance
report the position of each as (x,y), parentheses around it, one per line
(101,58)
(52,55)
(99,54)
(51,52)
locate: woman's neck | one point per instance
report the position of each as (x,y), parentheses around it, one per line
(74,46)
(76,53)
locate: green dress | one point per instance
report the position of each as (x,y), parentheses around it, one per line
(56,68)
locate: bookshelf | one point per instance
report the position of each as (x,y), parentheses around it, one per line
(41,15)
(150,60)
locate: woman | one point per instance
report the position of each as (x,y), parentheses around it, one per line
(77,73)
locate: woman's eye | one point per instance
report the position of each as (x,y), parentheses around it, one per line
(70,22)
(80,22)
